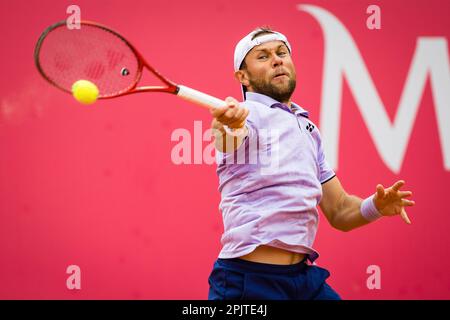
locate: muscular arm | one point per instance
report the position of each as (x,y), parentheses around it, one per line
(343,211)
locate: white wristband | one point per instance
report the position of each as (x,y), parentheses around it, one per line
(368,209)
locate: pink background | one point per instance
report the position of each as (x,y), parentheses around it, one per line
(95,186)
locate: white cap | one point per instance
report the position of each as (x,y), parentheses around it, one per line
(246,44)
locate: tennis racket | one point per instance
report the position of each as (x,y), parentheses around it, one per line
(98,54)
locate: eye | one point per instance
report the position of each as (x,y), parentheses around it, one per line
(262,57)
(282,53)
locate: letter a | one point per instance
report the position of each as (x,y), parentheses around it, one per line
(74,280)
(374,281)
(73,21)
(374,21)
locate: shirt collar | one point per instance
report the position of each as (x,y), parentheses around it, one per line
(270,102)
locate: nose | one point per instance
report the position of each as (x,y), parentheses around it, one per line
(276,61)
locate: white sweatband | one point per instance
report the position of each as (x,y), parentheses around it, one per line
(246,44)
(368,209)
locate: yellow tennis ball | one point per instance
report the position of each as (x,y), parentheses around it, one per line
(85,91)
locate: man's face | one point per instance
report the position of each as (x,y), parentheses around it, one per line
(269,70)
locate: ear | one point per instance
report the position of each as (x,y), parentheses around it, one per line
(242,77)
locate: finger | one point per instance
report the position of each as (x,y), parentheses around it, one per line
(228,116)
(217,112)
(405,216)
(398,185)
(231,102)
(237,124)
(239,118)
(239,113)
(408,203)
(243,119)
(246,113)
(241,125)
(404,194)
(380,191)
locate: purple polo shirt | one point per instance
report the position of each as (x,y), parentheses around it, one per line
(271,185)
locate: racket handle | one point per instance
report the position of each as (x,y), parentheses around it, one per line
(205,100)
(200,98)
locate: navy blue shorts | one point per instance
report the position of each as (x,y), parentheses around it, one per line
(237,279)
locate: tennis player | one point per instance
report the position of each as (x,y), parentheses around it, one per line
(270,216)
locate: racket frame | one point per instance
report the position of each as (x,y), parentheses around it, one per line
(133,88)
(184,92)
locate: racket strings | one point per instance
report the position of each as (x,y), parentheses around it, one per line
(90,53)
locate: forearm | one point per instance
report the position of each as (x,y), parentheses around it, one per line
(234,116)
(346,212)
(225,142)
(348,215)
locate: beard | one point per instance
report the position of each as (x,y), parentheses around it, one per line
(281,92)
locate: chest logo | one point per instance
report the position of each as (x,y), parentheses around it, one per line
(310,127)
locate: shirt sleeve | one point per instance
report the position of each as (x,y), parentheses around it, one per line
(326,173)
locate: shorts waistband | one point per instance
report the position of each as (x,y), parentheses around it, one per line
(257,267)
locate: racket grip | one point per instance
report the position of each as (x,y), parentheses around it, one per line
(207,101)
(200,98)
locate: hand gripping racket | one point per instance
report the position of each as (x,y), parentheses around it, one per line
(98,54)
